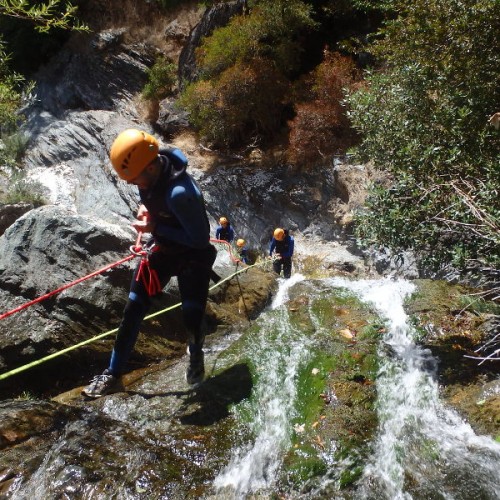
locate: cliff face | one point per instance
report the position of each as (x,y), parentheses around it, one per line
(84,97)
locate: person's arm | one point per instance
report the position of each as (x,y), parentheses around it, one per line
(217,232)
(291,247)
(231,234)
(186,203)
(272,247)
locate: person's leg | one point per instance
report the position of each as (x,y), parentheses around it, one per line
(135,310)
(287,267)
(277,266)
(133,314)
(194,280)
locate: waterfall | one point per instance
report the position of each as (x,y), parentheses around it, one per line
(277,352)
(422,449)
(422,446)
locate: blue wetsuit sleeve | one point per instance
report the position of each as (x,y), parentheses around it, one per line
(186,203)
(231,234)
(272,246)
(290,247)
(217,233)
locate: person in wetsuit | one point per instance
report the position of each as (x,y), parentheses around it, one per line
(242,251)
(173,210)
(282,245)
(224,230)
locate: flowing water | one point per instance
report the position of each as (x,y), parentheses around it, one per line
(254,466)
(237,436)
(422,448)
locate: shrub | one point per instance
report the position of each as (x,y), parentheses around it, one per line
(23,191)
(245,101)
(321,126)
(424,119)
(270,31)
(162,77)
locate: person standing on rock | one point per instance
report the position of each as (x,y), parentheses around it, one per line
(242,251)
(282,245)
(173,210)
(224,231)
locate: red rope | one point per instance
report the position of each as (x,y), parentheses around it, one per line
(149,277)
(54,292)
(229,249)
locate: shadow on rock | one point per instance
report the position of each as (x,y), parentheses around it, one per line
(216,394)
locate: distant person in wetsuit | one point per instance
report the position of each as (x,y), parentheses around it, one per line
(224,231)
(282,245)
(242,251)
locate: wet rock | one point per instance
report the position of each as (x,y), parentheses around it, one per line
(455,327)
(42,251)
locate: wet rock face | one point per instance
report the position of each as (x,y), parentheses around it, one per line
(44,250)
(96,72)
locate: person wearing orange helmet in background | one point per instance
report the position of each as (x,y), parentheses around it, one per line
(282,245)
(224,231)
(173,210)
(242,251)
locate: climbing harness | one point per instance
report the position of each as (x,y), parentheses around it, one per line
(146,273)
(136,250)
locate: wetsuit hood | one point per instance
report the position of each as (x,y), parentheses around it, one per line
(171,168)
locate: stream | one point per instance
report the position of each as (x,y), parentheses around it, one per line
(420,442)
(274,419)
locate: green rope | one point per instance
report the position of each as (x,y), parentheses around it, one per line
(37,362)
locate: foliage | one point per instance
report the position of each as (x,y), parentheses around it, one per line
(12,147)
(45,16)
(245,100)
(10,94)
(321,126)
(22,190)
(270,31)
(424,119)
(162,77)
(245,72)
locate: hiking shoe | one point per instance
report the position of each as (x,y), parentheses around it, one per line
(100,385)
(195,372)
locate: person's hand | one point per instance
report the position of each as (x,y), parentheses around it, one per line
(142,213)
(144,226)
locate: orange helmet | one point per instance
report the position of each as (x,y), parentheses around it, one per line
(223,221)
(279,234)
(240,243)
(132,151)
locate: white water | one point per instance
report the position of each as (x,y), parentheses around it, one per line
(423,450)
(418,436)
(254,467)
